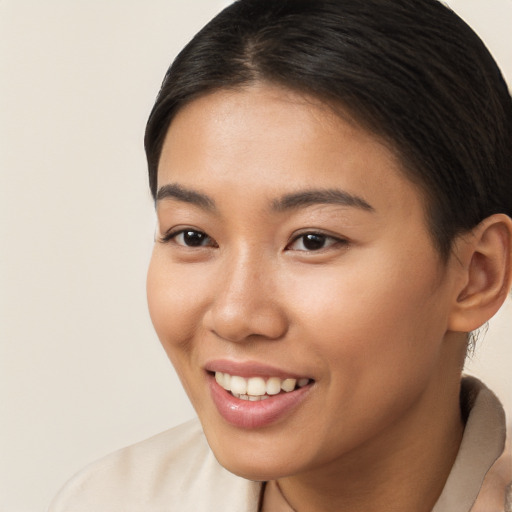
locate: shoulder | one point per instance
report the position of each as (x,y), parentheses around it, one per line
(174,470)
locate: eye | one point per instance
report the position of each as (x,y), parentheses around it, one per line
(189,238)
(314,242)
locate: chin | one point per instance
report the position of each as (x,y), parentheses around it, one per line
(255,470)
(256,460)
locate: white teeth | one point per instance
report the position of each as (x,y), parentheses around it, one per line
(288,385)
(238,385)
(256,388)
(273,386)
(226,381)
(252,398)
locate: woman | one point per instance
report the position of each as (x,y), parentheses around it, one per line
(333,187)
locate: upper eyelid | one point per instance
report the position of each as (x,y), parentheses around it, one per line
(335,241)
(320,232)
(180,228)
(174,232)
(170,233)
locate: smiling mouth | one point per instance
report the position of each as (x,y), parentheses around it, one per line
(258,388)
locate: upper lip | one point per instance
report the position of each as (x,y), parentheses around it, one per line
(249,369)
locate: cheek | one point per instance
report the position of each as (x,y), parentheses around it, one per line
(372,316)
(175,300)
(372,332)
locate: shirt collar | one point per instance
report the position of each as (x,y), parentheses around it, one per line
(482,444)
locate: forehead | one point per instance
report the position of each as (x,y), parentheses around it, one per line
(270,139)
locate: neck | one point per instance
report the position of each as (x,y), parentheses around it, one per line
(404,468)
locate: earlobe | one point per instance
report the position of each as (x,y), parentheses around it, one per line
(485,255)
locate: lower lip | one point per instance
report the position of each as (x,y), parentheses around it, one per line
(251,415)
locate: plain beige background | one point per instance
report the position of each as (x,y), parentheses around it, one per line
(81,371)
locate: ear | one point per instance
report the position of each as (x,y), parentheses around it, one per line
(485,256)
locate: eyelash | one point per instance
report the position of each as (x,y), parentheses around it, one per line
(171,236)
(323,238)
(333,241)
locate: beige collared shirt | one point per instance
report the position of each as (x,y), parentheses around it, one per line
(176,471)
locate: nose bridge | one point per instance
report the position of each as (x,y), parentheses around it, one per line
(246,265)
(247,301)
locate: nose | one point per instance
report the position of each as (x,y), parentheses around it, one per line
(246,303)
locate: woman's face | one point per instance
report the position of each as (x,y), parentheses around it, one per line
(290,246)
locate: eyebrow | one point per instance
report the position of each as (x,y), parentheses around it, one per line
(175,191)
(287,202)
(321,196)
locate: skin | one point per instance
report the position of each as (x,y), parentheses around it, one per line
(367,316)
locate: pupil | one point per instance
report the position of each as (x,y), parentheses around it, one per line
(313,242)
(193,238)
